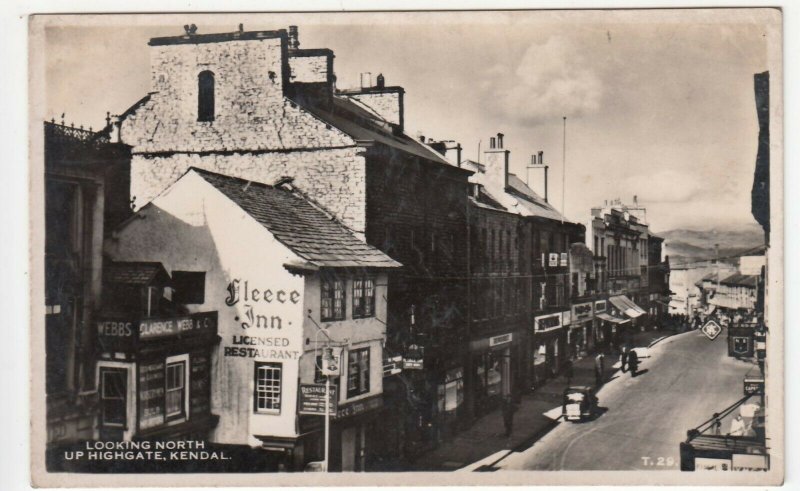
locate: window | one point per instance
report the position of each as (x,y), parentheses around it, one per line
(190,287)
(113,396)
(205,96)
(363,297)
(358,372)
(268,388)
(332,294)
(175,388)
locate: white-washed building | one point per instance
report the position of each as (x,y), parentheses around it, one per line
(286,279)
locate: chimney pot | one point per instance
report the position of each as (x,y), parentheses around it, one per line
(380,82)
(294,40)
(491,142)
(541,156)
(500,140)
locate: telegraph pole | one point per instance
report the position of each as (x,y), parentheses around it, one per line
(563,167)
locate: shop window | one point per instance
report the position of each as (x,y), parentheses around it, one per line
(332,298)
(190,287)
(358,372)
(205,96)
(175,396)
(113,396)
(363,297)
(268,388)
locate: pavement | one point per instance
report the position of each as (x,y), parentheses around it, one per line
(484,445)
(643,419)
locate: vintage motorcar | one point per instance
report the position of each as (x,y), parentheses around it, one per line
(579,403)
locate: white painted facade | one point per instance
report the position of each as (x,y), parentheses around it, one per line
(192,226)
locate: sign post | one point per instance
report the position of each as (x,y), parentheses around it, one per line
(711,329)
(330,367)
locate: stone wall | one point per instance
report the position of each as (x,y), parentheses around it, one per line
(308,69)
(251,110)
(333,178)
(387,104)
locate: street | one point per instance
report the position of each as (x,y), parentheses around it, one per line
(643,419)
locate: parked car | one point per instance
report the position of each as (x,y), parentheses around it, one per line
(579,403)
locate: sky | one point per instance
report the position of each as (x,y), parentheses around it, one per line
(658,105)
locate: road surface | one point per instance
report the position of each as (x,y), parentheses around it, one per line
(687,379)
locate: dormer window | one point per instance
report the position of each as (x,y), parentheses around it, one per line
(205,96)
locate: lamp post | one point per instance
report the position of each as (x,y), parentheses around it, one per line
(329,368)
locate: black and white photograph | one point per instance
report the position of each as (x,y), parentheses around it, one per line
(364,248)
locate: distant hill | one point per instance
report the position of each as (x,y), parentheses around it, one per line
(685,245)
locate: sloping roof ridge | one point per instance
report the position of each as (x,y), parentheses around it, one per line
(231,178)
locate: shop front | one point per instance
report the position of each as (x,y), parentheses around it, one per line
(547,347)
(355,430)
(154,377)
(582,331)
(494,372)
(624,307)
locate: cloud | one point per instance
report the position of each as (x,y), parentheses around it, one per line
(551,80)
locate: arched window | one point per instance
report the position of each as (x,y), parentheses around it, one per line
(205,96)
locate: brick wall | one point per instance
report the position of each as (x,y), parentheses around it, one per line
(333,178)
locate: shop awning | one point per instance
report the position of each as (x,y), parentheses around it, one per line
(611,318)
(627,305)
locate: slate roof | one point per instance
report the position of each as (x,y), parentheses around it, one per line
(303,227)
(360,123)
(534,204)
(134,273)
(737,279)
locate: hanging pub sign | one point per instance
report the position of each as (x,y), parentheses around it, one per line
(312,399)
(413,358)
(546,323)
(553,260)
(564,260)
(392,366)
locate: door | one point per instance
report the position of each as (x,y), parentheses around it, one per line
(113,403)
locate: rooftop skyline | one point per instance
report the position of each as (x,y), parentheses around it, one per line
(664,111)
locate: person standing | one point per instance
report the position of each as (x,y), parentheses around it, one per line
(633,362)
(599,369)
(508,409)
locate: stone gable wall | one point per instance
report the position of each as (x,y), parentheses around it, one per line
(333,178)
(251,112)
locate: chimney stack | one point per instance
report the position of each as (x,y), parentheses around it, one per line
(294,40)
(496,161)
(539,183)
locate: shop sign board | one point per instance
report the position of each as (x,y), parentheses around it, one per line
(563,259)
(753,386)
(582,311)
(547,322)
(566,318)
(502,339)
(359,407)
(312,399)
(711,464)
(392,366)
(599,306)
(123,334)
(553,260)
(711,329)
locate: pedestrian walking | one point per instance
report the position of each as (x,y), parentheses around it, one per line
(716,425)
(633,362)
(623,358)
(569,371)
(599,369)
(508,409)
